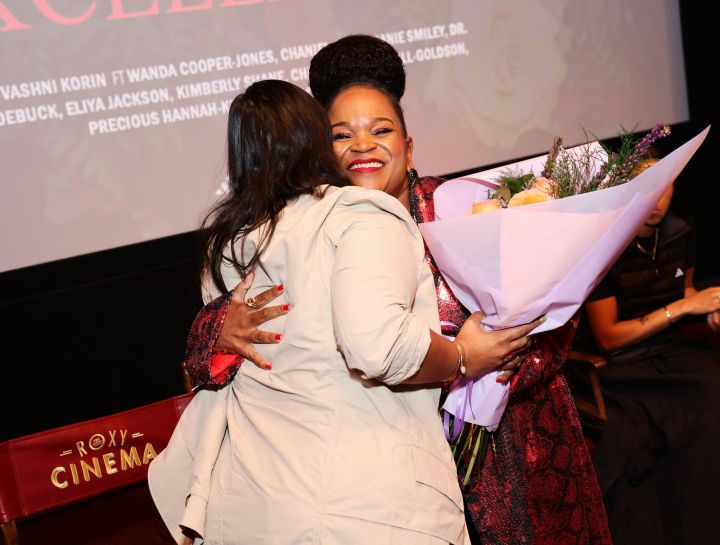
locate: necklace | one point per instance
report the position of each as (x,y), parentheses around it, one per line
(652,253)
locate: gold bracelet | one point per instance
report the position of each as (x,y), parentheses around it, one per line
(461,361)
(667,315)
(460,370)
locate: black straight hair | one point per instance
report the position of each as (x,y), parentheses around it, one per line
(279,146)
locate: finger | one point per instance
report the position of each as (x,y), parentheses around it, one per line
(268,295)
(503,377)
(521,354)
(512,364)
(522,330)
(257,359)
(242,288)
(713,320)
(477,315)
(247,281)
(517,345)
(267,314)
(238,295)
(267,337)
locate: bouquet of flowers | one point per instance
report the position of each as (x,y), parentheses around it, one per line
(516,245)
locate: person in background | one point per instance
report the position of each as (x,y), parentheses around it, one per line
(340,443)
(657,456)
(537,485)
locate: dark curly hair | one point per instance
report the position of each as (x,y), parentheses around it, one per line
(357,59)
(279,147)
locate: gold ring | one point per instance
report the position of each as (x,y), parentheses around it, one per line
(251,302)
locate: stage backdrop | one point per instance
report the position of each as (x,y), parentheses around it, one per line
(112,112)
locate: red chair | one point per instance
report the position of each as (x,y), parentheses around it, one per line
(46,471)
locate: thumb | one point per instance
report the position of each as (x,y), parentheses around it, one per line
(478,316)
(242,288)
(247,281)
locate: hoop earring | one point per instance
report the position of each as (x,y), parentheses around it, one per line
(413,176)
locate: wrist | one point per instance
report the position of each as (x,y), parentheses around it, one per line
(460,371)
(668,315)
(677,309)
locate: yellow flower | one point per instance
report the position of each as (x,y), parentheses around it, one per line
(485,206)
(546,186)
(529,196)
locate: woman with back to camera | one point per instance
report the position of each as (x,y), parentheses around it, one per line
(539,486)
(340,443)
(657,456)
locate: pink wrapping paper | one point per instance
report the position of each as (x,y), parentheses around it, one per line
(517,264)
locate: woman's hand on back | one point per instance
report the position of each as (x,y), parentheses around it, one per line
(240,329)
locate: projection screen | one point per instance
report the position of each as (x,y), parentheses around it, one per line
(112,112)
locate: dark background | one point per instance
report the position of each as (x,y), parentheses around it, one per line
(105,332)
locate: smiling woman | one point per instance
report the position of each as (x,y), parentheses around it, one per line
(371,140)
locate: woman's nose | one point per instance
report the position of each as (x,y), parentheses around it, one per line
(363,143)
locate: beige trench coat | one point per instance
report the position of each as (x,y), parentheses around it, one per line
(328,447)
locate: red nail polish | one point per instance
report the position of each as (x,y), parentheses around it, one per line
(278,337)
(267,366)
(279,288)
(499,380)
(286,307)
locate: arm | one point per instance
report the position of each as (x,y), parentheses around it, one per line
(200,345)
(223,333)
(373,285)
(611,334)
(481,350)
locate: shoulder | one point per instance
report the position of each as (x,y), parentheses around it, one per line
(353,200)
(674,227)
(354,207)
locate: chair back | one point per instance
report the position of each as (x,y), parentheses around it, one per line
(54,468)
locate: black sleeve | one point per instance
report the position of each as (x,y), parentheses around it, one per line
(603,290)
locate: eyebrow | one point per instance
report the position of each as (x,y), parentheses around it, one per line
(373,120)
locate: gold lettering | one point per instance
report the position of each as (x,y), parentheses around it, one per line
(149,453)
(111,434)
(123,436)
(81,448)
(97,441)
(87,469)
(109,459)
(74,473)
(54,477)
(129,459)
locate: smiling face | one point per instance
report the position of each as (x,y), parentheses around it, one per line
(370,141)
